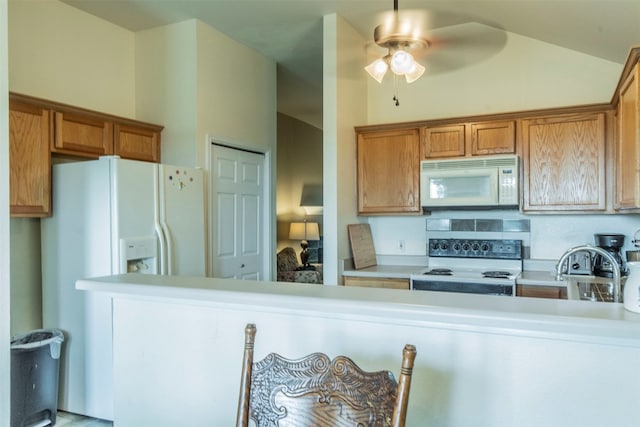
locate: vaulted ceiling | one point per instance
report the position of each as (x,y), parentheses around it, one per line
(290,31)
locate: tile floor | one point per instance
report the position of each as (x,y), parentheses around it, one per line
(68,419)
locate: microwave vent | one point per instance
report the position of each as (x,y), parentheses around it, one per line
(470,163)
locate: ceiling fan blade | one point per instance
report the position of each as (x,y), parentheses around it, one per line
(460,46)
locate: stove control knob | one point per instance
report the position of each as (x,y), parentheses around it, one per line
(485,247)
(465,246)
(444,246)
(475,246)
(456,246)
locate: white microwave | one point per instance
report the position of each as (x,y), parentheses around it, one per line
(480,182)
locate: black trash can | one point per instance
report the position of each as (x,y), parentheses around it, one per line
(35,367)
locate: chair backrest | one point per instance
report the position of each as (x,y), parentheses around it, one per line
(320,392)
(286,259)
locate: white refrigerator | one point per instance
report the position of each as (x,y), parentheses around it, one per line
(112,216)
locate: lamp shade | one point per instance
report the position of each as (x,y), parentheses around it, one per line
(304,231)
(377,69)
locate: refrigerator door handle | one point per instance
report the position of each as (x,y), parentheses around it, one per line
(157,191)
(163,249)
(169,247)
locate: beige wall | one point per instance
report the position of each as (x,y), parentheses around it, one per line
(345,103)
(236,95)
(61,53)
(166,87)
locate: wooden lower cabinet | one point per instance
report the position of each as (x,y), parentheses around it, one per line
(29,160)
(535,291)
(376,282)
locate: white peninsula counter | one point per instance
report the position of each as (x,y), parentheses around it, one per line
(482,360)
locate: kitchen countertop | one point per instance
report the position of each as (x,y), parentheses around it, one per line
(562,319)
(527,277)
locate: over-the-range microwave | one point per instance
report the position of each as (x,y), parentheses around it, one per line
(471,182)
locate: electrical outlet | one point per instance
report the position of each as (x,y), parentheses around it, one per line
(401,245)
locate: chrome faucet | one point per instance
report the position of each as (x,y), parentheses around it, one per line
(614,265)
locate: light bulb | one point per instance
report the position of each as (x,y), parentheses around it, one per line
(401,62)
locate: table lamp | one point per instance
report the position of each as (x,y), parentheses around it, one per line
(304,231)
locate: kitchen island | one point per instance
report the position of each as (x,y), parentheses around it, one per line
(482,360)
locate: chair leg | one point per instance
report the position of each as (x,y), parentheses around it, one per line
(242,418)
(404,384)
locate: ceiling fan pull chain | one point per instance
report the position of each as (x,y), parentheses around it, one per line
(396,100)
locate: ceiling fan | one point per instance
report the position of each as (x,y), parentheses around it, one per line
(398,38)
(446,40)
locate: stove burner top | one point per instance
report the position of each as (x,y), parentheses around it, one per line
(440,272)
(496,274)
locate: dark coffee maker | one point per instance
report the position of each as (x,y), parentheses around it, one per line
(611,243)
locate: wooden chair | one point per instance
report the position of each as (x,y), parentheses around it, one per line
(318,392)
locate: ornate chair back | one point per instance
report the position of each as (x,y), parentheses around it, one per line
(320,392)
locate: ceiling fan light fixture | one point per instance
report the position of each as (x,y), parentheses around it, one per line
(377,69)
(415,73)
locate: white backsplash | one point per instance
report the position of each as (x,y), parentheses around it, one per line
(549,236)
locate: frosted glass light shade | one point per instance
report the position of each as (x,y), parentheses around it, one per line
(415,73)
(377,69)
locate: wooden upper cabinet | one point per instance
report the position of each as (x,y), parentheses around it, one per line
(469,139)
(137,142)
(443,141)
(493,138)
(627,151)
(29,160)
(389,172)
(564,162)
(38,127)
(82,135)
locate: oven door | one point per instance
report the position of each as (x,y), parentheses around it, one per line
(463,287)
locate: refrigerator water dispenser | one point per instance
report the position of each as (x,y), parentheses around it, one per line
(139,255)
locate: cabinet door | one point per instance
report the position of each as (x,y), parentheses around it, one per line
(564,163)
(627,152)
(443,141)
(137,143)
(534,291)
(377,282)
(493,138)
(29,160)
(82,135)
(389,172)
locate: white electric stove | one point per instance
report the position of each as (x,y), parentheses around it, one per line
(478,266)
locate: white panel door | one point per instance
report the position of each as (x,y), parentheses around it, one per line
(236,211)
